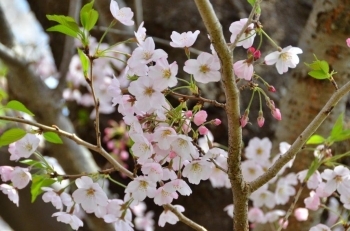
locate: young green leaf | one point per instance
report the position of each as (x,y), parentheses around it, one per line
(39,181)
(338,126)
(84,61)
(33,163)
(88,16)
(11,136)
(66,21)
(315,139)
(318,74)
(52,137)
(64,30)
(18,106)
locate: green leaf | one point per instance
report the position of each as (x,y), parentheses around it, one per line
(84,61)
(39,181)
(251,2)
(88,16)
(52,137)
(333,160)
(66,21)
(18,106)
(318,74)
(312,169)
(315,139)
(324,66)
(344,135)
(11,136)
(64,30)
(338,126)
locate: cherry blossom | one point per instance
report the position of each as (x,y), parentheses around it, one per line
(5,172)
(153,170)
(337,179)
(320,227)
(258,149)
(24,147)
(140,34)
(197,171)
(141,187)
(168,217)
(89,194)
(243,69)
(115,91)
(313,201)
(203,130)
(263,196)
(251,170)
(256,215)
(11,192)
(301,214)
(229,209)
(348,42)
(183,147)
(200,117)
(145,222)
(123,15)
(178,185)
(185,39)
(164,136)
(57,200)
(283,191)
(117,215)
(284,59)
(68,218)
(204,69)
(247,38)
(163,73)
(163,196)
(20,177)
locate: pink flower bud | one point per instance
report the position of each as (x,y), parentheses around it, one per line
(261,120)
(188,114)
(172,155)
(244,119)
(271,88)
(203,130)
(348,42)
(257,54)
(200,117)
(251,50)
(301,214)
(276,114)
(216,122)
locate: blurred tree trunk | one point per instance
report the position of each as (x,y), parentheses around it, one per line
(324,35)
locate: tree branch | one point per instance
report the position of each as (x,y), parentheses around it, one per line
(302,138)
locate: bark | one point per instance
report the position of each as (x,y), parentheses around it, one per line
(324,35)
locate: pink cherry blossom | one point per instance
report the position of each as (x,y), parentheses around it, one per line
(57,200)
(183,146)
(320,227)
(200,117)
(140,34)
(89,194)
(11,192)
(5,172)
(197,171)
(313,201)
(256,215)
(243,69)
(178,185)
(263,196)
(141,187)
(204,69)
(284,59)
(217,122)
(348,42)
(247,38)
(337,179)
(70,219)
(163,73)
(20,177)
(163,196)
(301,214)
(123,15)
(168,217)
(185,39)
(24,147)
(154,171)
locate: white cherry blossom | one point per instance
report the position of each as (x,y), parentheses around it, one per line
(284,59)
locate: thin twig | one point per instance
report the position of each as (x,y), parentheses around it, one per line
(139,11)
(199,98)
(76,139)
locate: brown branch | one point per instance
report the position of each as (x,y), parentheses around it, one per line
(240,189)
(199,98)
(302,138)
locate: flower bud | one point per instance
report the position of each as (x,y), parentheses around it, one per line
(271,88)
(203,130)
(257,55)
(244,119)
(216,122)
(261,119)
(276,113)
